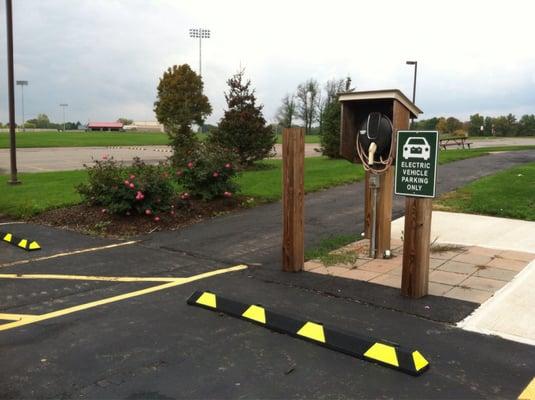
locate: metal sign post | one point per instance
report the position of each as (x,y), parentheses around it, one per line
(416,170)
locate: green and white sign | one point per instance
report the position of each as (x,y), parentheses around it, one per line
(416,163)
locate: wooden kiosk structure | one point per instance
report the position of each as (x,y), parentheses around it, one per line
(356,106)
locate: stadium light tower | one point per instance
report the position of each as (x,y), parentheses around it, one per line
(63,105)
(22,84)
(199,33)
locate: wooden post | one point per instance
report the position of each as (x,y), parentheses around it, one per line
(293,188)
(416,247)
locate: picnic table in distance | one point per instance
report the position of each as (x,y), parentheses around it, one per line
(459,141)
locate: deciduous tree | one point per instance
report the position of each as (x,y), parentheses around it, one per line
(180,103)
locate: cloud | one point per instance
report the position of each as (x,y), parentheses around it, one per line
(104,57)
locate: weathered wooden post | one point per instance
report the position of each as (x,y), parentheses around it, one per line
(416,166)
(293,191)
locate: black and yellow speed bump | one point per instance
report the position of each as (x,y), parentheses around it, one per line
(381,352)
(26,244)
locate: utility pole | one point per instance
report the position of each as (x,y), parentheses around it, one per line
(11,94)
(200,34)
(63,105)
(22,84)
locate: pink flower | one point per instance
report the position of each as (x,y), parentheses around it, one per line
(215,174)
(132,186)
(127,182)
(156,219)
(227,194)
(148,211)
(228,165)
(132,177)
(179,173)
(190,165)
(140,195)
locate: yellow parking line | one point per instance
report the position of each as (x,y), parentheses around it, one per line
(69,253)
(529,392)
(176,282)
(89,278)
(16,317)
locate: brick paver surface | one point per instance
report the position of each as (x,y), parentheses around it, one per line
(469,273)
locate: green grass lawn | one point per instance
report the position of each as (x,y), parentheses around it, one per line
(84,139)
(89,139)
(46,190)
(510,193)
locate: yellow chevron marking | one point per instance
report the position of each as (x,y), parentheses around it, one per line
(207,299)
(29,319)
(384,353)
(255,313)
(23,243)
(8,237)
(34,246)
(419,360)
(313,331)
(529,392)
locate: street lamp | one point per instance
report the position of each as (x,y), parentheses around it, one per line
(22,84)
(11,94)
(199,33)
(415,63)
(63,105)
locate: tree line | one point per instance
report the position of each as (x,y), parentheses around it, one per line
(479,125)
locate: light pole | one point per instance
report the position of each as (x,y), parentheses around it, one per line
(22,84)
(11,94)
(199,33)
(63,105)
(415,63)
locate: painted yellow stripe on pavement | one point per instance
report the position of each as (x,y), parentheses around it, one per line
(15,317)
(90,278)
(529,392)
(70,253)
(81,307)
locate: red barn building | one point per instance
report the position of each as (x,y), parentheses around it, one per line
(105,126)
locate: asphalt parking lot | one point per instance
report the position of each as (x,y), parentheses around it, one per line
(92,317)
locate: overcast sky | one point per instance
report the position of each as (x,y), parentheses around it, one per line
(104,57)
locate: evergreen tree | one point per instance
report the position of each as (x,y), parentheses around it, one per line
(243,127)
(330,135)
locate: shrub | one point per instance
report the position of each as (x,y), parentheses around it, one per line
(140,188)
(208,174)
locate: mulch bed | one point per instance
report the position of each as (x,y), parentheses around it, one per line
(91,219)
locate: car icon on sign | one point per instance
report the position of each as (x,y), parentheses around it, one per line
(416,147)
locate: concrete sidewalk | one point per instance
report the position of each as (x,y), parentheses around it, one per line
(509,313)
(478,230)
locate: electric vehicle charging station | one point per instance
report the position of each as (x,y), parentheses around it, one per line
(369,123)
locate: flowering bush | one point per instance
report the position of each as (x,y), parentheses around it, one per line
(208,174)
(140,188)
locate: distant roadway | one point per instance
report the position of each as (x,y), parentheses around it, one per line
(70,158)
